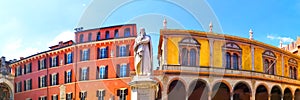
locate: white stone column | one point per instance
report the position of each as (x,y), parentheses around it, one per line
(211,52)
(252,58)
(282,65)
(209,95)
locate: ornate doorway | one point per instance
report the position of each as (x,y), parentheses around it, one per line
(5,92)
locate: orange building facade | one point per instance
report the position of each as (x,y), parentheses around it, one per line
(96,66)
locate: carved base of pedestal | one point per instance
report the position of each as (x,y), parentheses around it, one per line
(143,88)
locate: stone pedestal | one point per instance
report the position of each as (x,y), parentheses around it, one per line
(143,88)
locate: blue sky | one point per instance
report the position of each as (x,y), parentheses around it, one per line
(31,26)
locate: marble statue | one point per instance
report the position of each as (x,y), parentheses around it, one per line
(143,54)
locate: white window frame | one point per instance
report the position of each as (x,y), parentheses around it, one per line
(27,66)
(17,71)
(53,61)
(102,76)
(18,87)
(85,54)
(123,93)
(83,94)
(122,74)
(68,79)
(52,79)
(99,96)
(83,76)
(28,85)
(54,95)
(28,99)
(69,53)
(103,48)
(120,51)
(41,81)
(68,94)
(43,98)
(42,64)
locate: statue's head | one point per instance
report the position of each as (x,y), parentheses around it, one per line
(142,31)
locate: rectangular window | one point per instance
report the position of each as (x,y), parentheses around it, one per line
(83,95)
(54,79)
(122,93)
(90,37)
(103,52)
(102,72)
(54,61)
(85,54)
(42,81)
(18,86)
(28,68)
(100,94)
(84,74)
(69,96)
(28,84)
(69,58)
(42,64)
(18,71)
(54,97)
(123,70)
(122,51)
(81,38)
(43,98)
(68,76)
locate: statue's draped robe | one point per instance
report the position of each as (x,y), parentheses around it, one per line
(143,64)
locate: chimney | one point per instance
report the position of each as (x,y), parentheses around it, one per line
(3,60)
(60,43)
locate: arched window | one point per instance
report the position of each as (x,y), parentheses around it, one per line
(228,60)
(90,37)
(81,38)
(189,52)
(116,33)
(293,73)
(107,35)
(232,57)
(127,32)
(235,59)
(193,57)
(184,56)
(272,71)
(269,59)
(98,36)
(266,66)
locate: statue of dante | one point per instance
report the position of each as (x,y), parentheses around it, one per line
(143,54)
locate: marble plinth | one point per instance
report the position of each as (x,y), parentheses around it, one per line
(143,88)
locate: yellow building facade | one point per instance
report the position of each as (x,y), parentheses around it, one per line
(209,66)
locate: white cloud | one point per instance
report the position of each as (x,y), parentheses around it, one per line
(283,39)
(63,36)
(286,39)
(270,37)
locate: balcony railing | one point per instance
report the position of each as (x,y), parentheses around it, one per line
(228,73)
